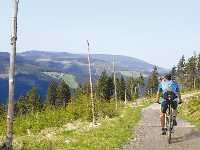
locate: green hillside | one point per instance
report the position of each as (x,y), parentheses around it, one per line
(68,78)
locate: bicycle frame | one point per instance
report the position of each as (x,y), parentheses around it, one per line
(169,120)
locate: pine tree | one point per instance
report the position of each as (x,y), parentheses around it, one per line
(198,65)
(52,93)
(21,106)
(191,71)
(63,94)
(198,71)
(181,71)
(141,87)
(188,72)
(33,100)
(78,91)
(121,86)
(173,72)
(141,80)
(105,87)
(86,88)
(110,84)
(153,81)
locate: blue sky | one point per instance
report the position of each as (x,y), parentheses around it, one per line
(153,30)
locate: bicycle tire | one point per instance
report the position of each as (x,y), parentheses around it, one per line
(170,125)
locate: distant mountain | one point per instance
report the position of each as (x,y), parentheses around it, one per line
(39,67)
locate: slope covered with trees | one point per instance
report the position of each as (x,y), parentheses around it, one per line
(187,72)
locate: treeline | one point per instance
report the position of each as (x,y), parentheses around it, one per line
(59,94)
(127,88)
(187,72)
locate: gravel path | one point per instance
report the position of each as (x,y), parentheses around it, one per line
(148,134)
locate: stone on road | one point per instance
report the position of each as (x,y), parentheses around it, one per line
(148,134)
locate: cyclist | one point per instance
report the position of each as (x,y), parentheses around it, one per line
(166,85)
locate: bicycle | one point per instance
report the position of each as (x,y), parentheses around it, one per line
(169,119)
(169,125)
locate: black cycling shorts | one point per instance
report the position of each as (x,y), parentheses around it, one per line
(164,105)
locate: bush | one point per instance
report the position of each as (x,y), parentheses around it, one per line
(80,108)
(107,109)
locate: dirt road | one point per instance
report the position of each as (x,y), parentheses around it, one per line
(148,134)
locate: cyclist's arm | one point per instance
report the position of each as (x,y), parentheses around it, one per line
(158,93)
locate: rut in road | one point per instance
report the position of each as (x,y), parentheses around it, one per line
(148,134)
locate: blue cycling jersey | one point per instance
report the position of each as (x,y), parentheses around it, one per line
(168,85)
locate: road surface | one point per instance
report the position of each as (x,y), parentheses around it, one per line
(148,134)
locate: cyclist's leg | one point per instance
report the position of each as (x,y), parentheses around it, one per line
(164,105)
(175,106)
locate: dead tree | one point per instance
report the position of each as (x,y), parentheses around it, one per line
(115,85)
(91,86)
(125,97)
(9,137)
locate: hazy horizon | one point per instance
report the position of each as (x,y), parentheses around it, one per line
(77,52)
(155,31)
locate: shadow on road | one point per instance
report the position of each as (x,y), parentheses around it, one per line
(189,136)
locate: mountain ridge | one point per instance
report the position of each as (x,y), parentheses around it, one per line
(38,68)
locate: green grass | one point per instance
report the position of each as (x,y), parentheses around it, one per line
(111,134)
(49,129)
(35,122)
(57,117)
(190,111)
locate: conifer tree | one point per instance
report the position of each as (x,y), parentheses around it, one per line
(105,87)
(191,71)
(198,71)
(110,83)
(21,106)
(121,86)
(63,94)
(181,70)
(141,80)
(33,100)
(86,88)
(173,72)
(52,93)
(153,81)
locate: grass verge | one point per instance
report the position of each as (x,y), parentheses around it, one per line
(190,111)
(111,134)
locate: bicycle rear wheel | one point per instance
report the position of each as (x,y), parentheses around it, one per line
(170,125)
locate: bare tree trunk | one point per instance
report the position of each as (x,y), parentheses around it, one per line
(9,137)
(194,83)
(132,85)
(115,85)
(125,97)
(91,86)
(135,90)
(138,89)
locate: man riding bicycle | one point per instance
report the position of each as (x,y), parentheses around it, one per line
(168,85)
